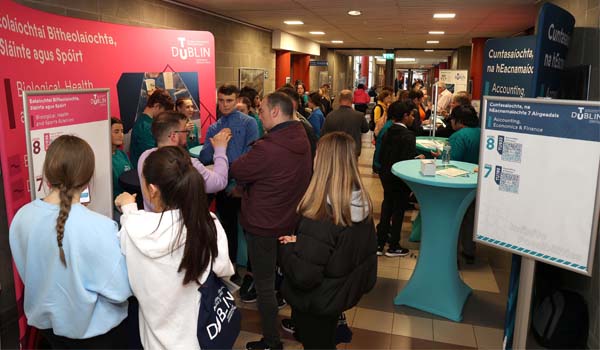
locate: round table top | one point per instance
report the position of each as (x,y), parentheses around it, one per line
(410,170)
(422,143)
(195,151)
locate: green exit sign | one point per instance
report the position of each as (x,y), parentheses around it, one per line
(388,56)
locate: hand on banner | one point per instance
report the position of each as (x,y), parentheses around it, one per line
(124,199)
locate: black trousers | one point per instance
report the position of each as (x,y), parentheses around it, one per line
(116,338)
(263,251)
(228,209)
(393,206)
(315,331)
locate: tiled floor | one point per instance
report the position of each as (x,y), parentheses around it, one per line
(378,324)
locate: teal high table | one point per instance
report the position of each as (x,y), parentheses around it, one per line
(435,286)
(195,151)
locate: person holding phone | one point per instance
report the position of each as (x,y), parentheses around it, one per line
(69,259)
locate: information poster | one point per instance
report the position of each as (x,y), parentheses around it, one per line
(538,193)
(455,80)
(83,113)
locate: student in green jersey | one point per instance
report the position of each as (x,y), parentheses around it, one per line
(120,161)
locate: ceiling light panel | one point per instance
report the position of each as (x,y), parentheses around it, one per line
(436,32)
(444,15)
(293,22)
(317,33)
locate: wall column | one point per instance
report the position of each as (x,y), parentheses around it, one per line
(282,67)
(477,54)
(364,69)
(301,69)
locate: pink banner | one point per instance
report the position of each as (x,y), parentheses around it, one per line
(42,51)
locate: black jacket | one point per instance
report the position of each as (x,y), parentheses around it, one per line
(349,121)
(330,267)
(399,143)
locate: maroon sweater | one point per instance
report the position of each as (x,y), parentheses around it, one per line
(275,173)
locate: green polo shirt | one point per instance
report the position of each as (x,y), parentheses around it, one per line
(120,164)
(141,138)
(261,131)
(196,141)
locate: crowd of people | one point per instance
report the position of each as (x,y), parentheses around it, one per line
(284,168)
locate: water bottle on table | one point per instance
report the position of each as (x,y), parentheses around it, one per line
(446,155)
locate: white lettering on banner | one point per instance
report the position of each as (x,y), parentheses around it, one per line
(186,50)
(585,115)
(15,26)
(508,90)
(516,53)
(558,36)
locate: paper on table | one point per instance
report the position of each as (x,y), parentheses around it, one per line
(432,144)
(452,172)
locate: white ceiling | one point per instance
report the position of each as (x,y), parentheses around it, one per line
(383,23)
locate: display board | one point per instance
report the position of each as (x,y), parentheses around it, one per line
(538,192)
(455,80)
(83,113)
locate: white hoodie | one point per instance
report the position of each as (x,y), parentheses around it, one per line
(168,309)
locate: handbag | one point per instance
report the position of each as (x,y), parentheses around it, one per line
(219,319)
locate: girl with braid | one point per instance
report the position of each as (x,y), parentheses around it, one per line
(69,259)
(171,251)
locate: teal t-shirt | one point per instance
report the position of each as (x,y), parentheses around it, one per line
(120,164)
(261,131)
(141,138)
(465,145)
(195,141)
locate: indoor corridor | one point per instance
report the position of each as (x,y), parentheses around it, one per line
(377,324)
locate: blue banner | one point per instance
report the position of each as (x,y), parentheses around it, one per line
(557,120)
(509,67)
(553,32)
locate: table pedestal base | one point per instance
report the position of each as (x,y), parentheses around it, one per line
(435,285)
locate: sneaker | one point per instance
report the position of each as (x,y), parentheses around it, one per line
(250,296)
(236,279)
(393,252)
(288,325)
(247,290)
(262,345)
(379,250)
(281,303)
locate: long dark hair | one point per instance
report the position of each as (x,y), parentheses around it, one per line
(68,167)
(182,187)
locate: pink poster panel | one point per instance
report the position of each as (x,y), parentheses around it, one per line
(54,111)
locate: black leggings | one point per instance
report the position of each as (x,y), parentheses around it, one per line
(116,338)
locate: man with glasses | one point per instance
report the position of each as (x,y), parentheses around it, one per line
(169,129)
(399,143)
